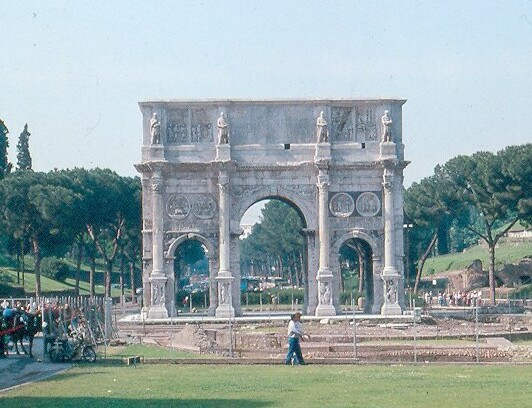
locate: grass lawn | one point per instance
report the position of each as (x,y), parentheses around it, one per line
(9,276)
(279,386)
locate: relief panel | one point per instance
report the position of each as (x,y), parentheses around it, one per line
(342,124)
(177,127)
(202,128)
(366,128)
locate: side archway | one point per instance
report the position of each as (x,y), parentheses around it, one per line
(367,254)
(210,253)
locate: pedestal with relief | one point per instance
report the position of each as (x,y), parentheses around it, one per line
(225,307)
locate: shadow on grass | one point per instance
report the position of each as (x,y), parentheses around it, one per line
(93,402)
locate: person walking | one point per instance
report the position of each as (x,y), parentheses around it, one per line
(295,333)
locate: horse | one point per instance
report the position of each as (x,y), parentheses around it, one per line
(24,324)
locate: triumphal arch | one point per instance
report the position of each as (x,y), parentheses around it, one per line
(339,162)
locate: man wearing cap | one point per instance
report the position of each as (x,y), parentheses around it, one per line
(295,332)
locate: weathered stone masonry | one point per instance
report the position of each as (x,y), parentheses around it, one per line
(339,162)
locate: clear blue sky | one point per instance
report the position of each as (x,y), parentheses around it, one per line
(75,70)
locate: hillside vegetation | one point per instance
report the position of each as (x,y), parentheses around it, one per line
(508,252)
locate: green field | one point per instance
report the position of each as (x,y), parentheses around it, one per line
(279,386)
(506,253)
(8,276)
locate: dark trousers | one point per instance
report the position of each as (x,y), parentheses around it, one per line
(294,348)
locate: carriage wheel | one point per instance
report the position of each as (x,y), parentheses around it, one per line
(89,354)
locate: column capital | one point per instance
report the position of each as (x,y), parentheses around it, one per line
(157,186)
(323,181)
(223,180)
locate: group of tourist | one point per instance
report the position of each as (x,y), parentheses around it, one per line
(57,320)
(12,320)
(459,298)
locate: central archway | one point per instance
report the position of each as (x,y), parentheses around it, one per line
(274,255)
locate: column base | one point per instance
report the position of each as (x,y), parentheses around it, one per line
(391,306)
(157,312)
(212,311)
(223,152)
(391,272)
(325,310)
(225,312)
(323,152)
(391,309)
(154,152)
(387,150)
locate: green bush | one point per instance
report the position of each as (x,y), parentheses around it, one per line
(198,299)
(345,297)
(55,268)
(281,296)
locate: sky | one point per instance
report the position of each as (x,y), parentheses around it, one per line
(75,70)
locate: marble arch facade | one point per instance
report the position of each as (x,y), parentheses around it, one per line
(339,162)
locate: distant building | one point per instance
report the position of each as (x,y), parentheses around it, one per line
(520,233)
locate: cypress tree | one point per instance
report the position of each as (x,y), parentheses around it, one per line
(5,166)
(23,147)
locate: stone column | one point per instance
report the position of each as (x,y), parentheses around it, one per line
(390,276)
(325,277)
(225,279)
(157,278)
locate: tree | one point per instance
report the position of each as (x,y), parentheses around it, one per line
(5,166)
(132,236)
(108,203)
(516,166)
(491,194)
(187,254)
(276,243)
(36,206)
(23,148)
(431,205)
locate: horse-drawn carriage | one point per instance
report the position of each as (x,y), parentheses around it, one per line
(18,324)
(65,339)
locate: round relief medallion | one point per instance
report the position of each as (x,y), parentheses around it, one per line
(342,205)
(204,207)
(368,204)
(178,207)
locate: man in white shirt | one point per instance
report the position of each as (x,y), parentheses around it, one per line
(295,332)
